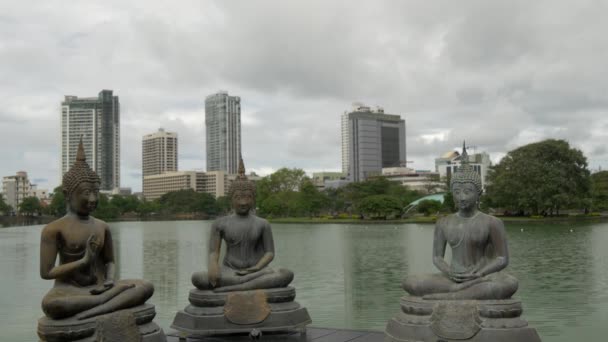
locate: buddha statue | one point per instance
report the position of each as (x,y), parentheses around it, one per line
(479,248)
(249,247)
(470,299)
(241,294)
(85,284)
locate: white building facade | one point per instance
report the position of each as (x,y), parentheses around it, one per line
(16,188)
(159,153)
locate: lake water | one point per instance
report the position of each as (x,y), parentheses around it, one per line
(348,276)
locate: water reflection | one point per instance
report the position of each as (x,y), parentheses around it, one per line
(347,276)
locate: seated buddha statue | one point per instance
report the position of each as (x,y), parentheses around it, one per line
(479,249)
(249,247)
(85,284)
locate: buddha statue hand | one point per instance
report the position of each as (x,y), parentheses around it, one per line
(462,277)
(108,284)
(91,250)
(214,274)
(247,271)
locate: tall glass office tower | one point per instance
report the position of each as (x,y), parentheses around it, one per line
(223,132)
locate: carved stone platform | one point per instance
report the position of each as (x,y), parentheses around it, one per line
(270,310)
(134,324)
(459,320)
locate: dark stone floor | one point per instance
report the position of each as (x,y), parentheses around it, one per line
(312,334)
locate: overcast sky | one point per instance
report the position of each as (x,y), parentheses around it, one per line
(498,74)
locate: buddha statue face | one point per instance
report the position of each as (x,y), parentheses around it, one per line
(242,201)
(84,198)
(465,195)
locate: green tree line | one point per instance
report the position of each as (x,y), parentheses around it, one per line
(542,178)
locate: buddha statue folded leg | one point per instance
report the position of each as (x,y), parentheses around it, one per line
(66,301)
(438,286)
(265,278)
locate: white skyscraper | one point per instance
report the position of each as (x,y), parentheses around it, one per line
(345,142)
(223,132)
(97,121)
(159,153)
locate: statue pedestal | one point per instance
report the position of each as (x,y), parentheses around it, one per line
(459,320)
(269,310)
(134,324)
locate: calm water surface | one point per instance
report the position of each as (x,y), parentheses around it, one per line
(347,276)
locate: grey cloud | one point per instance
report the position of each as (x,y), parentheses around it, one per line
(495,74)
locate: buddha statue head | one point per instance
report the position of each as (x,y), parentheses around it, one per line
(242,192)
(465,184)
(81,185)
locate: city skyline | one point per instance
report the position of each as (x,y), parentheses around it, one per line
(455,70)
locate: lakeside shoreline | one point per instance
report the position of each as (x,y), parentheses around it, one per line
(19,221)
(433,219)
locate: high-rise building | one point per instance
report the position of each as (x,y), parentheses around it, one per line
(223,132)
(345,143)
(159,153)
(97,121)
(375,140)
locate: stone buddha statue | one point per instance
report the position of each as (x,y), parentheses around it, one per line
(470,299)
(479,248)
(249,247)
(77,252)
(241,294)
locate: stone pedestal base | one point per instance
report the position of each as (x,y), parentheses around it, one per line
(270,310)
(459,320)
(134,324)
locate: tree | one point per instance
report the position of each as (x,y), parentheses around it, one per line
(540,177)
(273,206)
(224,205)
(58,205)
(205,203)
(283,180)
(432,184)
(4,207)
(181,201)
(310,200)
(428,207)
(105,209)
(148,207)
(355,192)
(188,201)
(379,207)
(448,203)
(599,190)
(30,206)
(125,204)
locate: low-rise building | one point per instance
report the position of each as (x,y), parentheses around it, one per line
(216,183)
(319,178)
(212,182)
(449,162)
(420,180)
(17,187)
(157,185)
